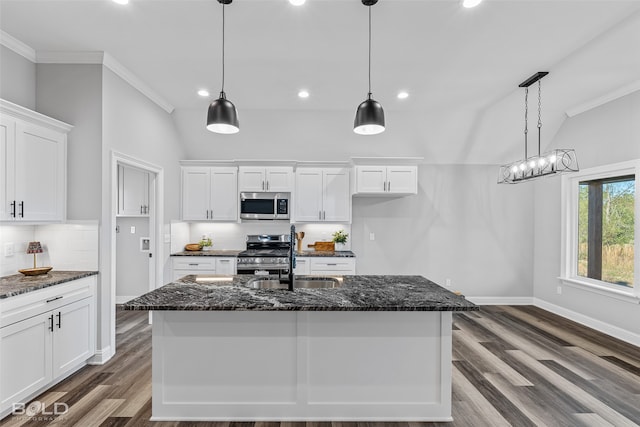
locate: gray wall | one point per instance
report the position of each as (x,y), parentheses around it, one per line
(17,78)
(132,274)
(461,226)
(605,135)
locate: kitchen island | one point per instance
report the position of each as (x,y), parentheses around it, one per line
(377,348)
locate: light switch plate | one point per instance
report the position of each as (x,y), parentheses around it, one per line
(8,249)
(133,229)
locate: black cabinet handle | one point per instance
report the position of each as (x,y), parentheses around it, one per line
(56,298)
(59,319)
(22,209)
(13,209)
(51,323)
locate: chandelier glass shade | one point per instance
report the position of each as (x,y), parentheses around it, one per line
(552,162)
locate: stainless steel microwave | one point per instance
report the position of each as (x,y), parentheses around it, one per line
(264,205)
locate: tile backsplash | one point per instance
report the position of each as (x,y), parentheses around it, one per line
(70,246)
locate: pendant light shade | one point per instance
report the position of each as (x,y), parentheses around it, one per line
(222,116)
(369,115)
(369,118)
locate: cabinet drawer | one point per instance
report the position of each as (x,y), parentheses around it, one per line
(199,263)
(20,307)
(332,264)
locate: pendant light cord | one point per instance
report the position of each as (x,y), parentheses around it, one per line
(223,47)
(526,120)
(539,114)
(369,93)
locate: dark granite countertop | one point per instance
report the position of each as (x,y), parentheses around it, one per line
(339,254)
(19,284)
(358,293)
(215,252)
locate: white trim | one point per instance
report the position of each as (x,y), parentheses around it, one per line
(22,49)
(30,115)
(104,58)
(386,161)
(121,299)
(593,286)
(604,99)
(598,325)
(501,300)
(101,357)
(126,75)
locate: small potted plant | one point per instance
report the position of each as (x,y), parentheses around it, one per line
(340,240)
(206,243)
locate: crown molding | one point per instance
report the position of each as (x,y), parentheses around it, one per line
(604,99)
(17,46)
(69,57)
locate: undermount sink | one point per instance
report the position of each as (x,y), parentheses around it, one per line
(318,282)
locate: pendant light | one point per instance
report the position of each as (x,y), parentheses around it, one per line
(370,115)
(222,116)
(555,161)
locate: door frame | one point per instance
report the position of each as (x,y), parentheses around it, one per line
(156,226)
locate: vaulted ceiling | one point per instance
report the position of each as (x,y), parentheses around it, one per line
(460,66)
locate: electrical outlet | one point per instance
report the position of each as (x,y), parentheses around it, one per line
(559,290)
(133,229)
(372,236)
(447,283)
(8,249)
(167,238)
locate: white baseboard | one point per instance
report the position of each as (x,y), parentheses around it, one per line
(101,357)
(122,299)
(598,325)
(501,300)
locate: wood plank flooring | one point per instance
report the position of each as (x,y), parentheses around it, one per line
(512,366)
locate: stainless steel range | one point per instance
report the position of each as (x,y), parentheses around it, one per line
(265,254)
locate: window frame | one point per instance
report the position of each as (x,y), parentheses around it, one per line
(569,231)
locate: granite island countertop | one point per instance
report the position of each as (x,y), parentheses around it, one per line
(17,284)
(358,293)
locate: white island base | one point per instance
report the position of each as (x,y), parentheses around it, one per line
(301,366)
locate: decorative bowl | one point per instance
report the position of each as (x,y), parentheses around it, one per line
(35,271)
(193,247)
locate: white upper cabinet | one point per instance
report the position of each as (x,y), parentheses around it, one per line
(33,151)
(259,178)
(133,191)
(210,193)
(386,180)
(322,194)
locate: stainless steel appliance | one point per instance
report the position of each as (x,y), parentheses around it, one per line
(264,205)
(265,254)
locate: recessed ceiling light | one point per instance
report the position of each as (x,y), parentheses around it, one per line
(303,94)
(403,95)
(121,1)
(297,2)
(203,92)
(471,3)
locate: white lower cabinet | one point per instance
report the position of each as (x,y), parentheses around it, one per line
(37,350)
(339,266)
(192,265)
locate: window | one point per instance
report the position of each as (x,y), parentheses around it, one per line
(600,227)
(606,229)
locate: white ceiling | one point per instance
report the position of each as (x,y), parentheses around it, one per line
(460,66)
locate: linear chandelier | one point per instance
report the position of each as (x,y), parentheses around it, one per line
(555,161)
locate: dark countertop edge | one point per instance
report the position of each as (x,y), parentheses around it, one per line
(230,253)
(126,307)
(57,281)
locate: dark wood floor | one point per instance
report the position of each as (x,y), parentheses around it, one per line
(518,366)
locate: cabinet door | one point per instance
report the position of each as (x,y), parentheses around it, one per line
(25,358)
(402,179)
(371,179)
(224,194)
(40,173)
(252,179)
(279,179)
(73,337)
(7,173)
(302,266)
(133,192)
(336,197)
(196,190)
(225,265)
(308,196)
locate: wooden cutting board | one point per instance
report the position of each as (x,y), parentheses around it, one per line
(323,246)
